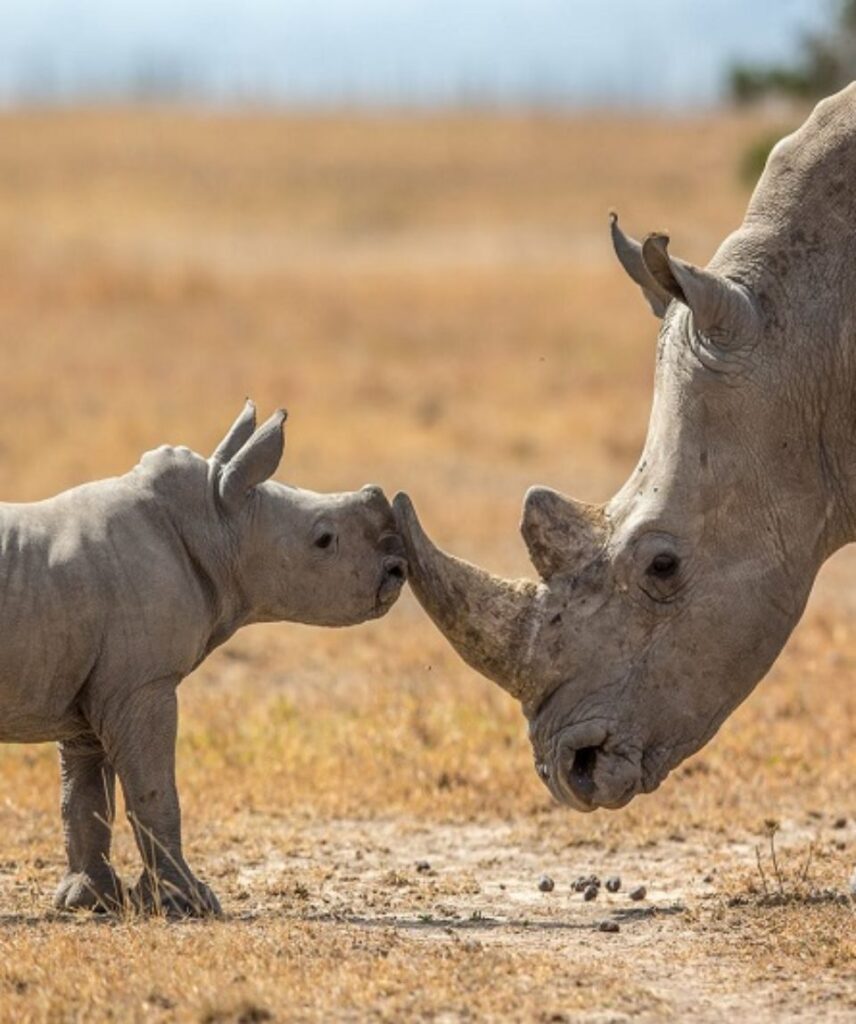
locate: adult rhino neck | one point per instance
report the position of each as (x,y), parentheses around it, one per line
(795,252)
(800,416)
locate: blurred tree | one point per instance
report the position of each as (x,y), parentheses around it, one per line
(827,63)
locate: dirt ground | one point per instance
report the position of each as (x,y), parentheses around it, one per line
(435,300)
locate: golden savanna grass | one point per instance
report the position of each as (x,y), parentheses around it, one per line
(435,300)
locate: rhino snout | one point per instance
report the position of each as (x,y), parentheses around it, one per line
(374,497)
(591,770)
(376,505)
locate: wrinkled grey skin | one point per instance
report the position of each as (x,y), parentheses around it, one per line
(658,613)
(114,591)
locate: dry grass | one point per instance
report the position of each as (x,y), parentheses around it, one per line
(435,300)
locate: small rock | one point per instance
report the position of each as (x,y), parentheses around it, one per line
(840,823)
(613,884)
(581,884)
(708,878)
(546,884)
(422,866)
(639,893)
(590,893)
(608,926)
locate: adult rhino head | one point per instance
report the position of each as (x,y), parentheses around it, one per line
(657,613)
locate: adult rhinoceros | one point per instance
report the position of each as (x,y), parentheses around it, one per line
(660,611)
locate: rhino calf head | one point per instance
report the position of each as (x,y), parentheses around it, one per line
(320,559)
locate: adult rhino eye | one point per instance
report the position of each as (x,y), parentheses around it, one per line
(324,541)
(663,566)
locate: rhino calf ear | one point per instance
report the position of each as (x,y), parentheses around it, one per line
(239,433)
(254,463)
(561,534)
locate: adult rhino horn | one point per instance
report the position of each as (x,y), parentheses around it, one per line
(629,253)
(491,622)
(562,534)
(722,309)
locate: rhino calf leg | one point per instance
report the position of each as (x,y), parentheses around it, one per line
(143,738)
(87,806)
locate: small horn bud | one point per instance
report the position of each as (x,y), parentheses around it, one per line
(562,535)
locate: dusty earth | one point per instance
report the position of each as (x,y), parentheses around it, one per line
(394,919)
(435,300)
(478,891)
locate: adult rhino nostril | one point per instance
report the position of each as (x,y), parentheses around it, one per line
(581,772)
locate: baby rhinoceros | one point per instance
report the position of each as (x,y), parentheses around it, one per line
(114,591)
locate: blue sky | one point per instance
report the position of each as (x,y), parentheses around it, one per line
(648,52)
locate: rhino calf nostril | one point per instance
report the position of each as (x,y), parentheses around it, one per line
(395,568)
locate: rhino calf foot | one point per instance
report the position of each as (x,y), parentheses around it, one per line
(101,892)
(175,898)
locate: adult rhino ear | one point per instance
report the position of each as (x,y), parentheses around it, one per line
(256,461)
(561,534)
(722,310)
(239,433)
(629,253)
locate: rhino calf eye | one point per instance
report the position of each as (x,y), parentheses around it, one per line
(663,566)
(324,541)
